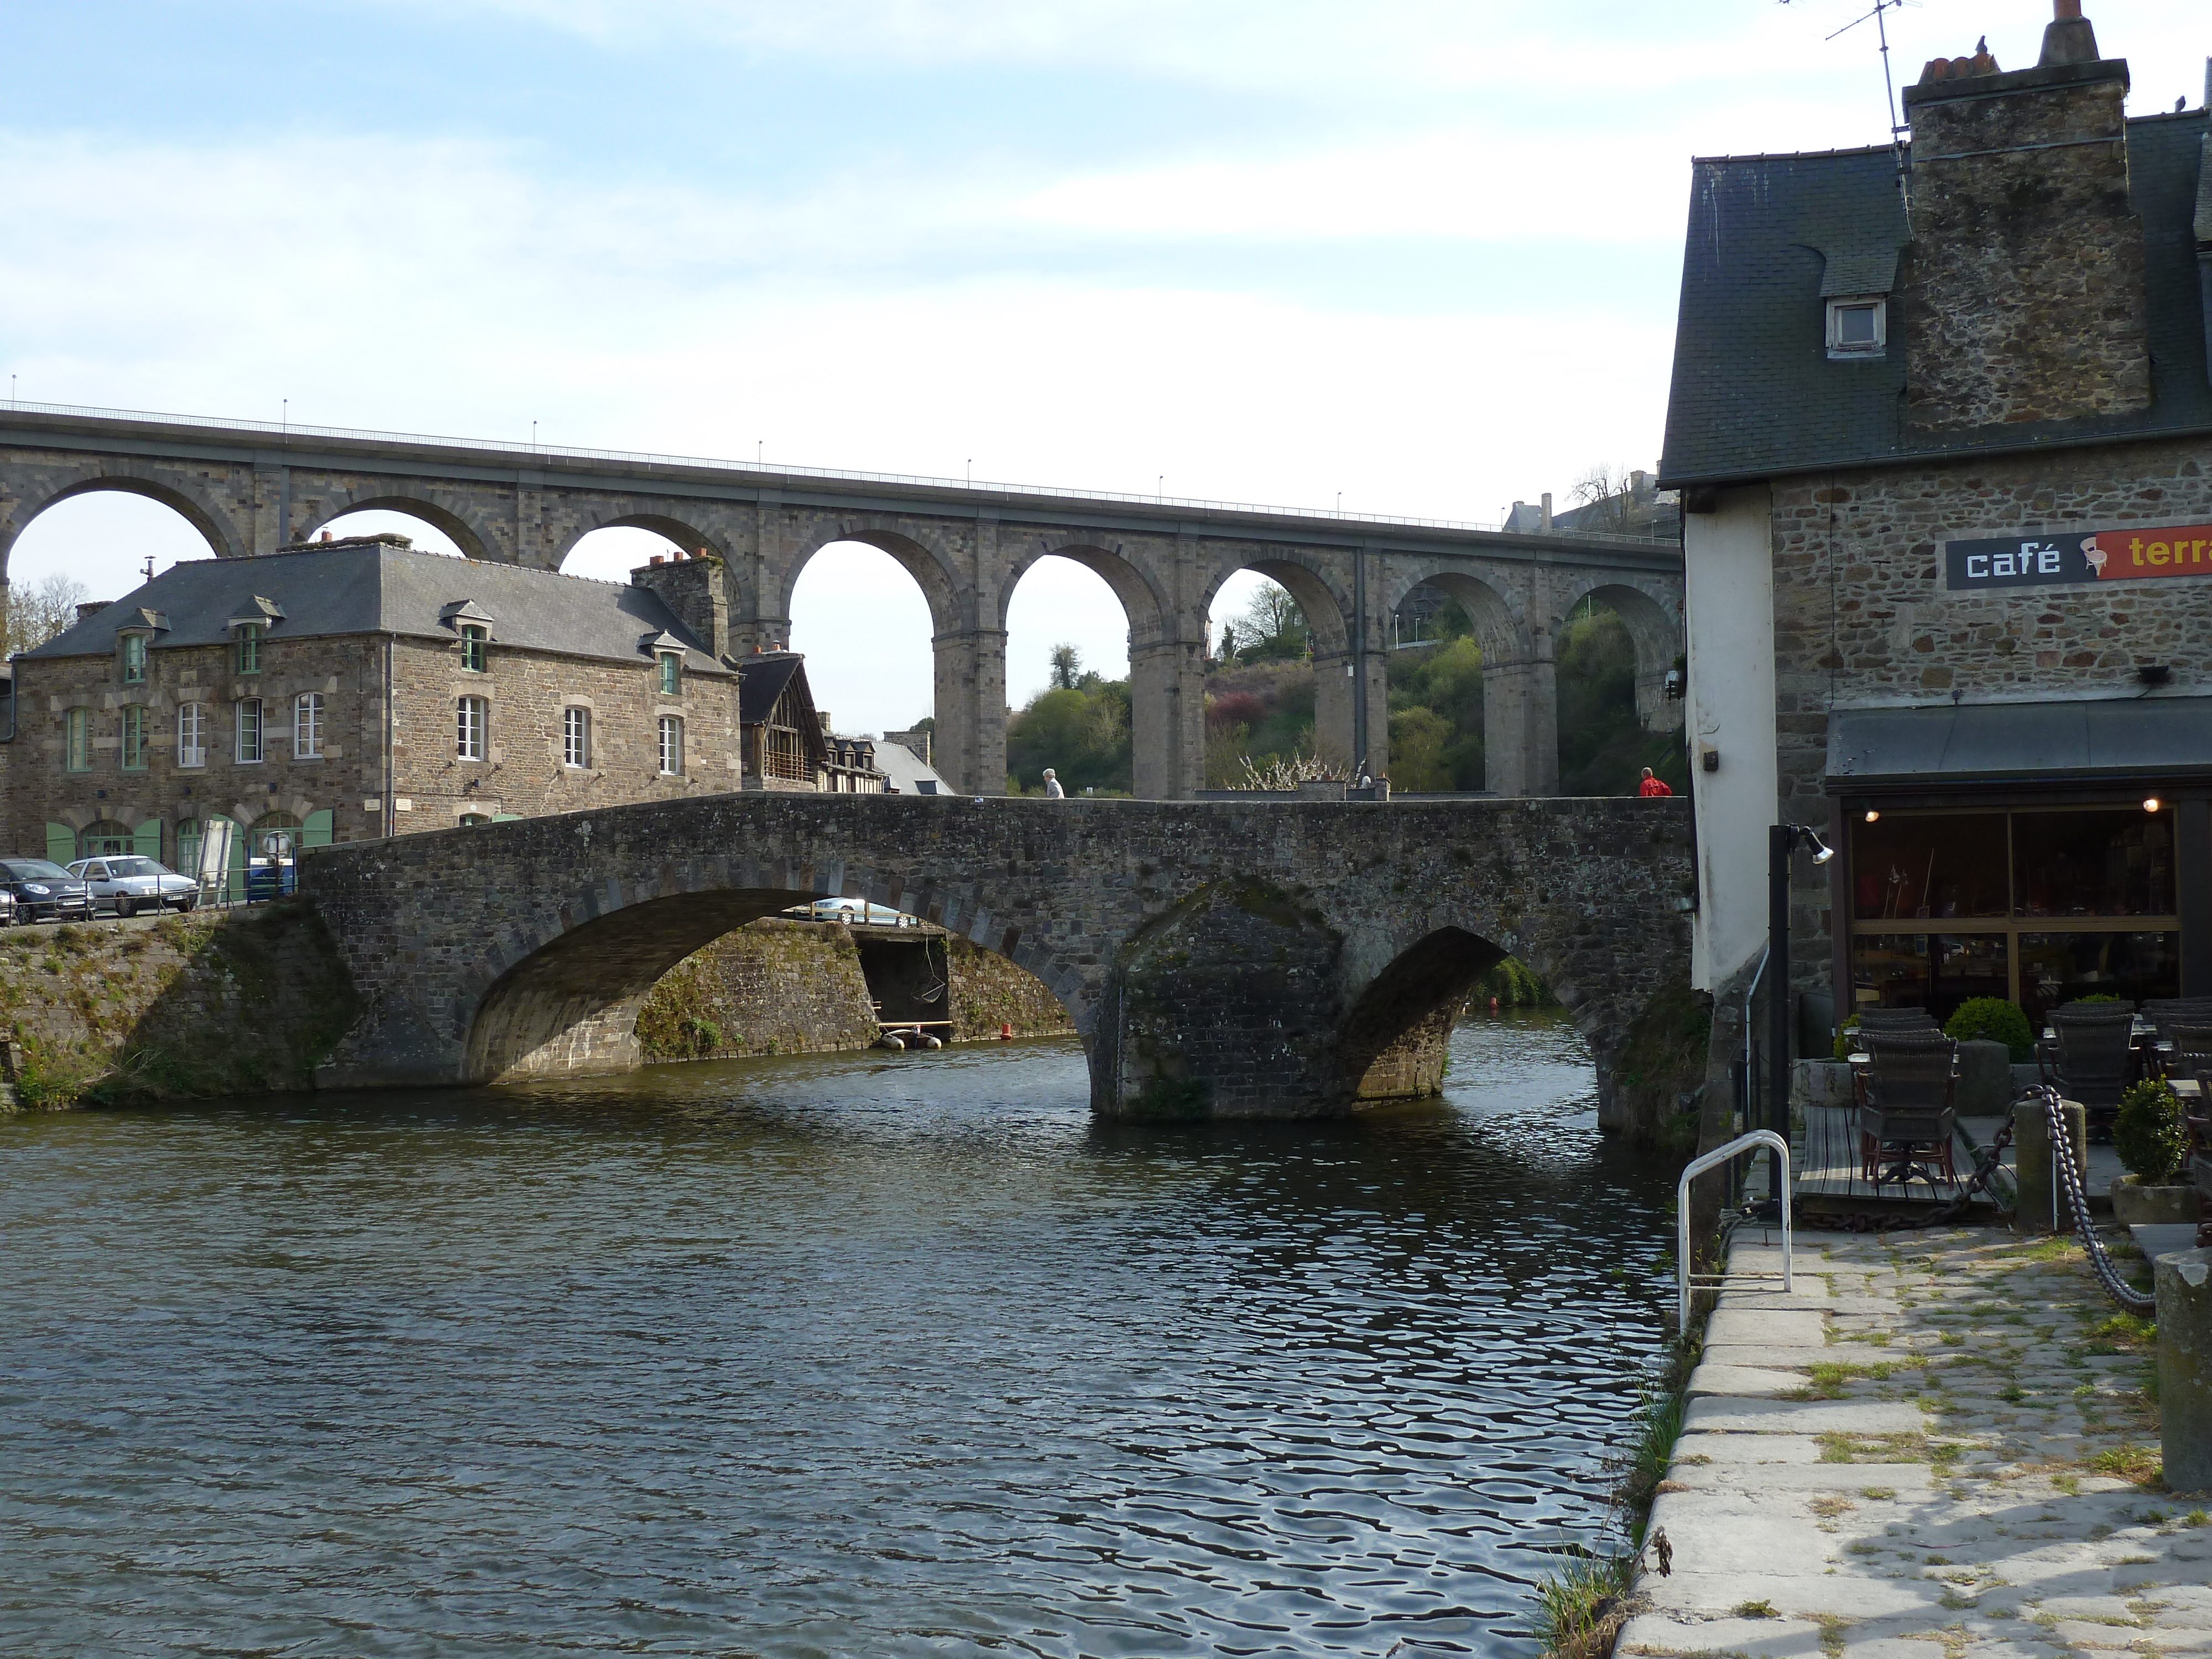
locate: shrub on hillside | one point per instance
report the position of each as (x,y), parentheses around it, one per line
(1993,1019)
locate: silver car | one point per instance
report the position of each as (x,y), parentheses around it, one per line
(127,883)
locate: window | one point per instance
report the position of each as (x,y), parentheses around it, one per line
(248,752)
(308,725)
(468,818)
(249,648)
(2036,906)
(134,738)
(134,660)
(473,654)
(1858,327)
(192,734)
(575,736)
(471,728)
(671,673)
(77,740)
(188,847)
(672,746)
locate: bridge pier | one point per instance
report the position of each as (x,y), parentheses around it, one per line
(1520,723)
(1167,719)
(970,744)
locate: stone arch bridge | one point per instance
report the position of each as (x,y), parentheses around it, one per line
(251,488)
(1228,958)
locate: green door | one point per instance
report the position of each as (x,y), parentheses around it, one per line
(316,831)
(61,842)
(146,839)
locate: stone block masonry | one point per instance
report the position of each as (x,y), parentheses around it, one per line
(222,1002)
(1216,957)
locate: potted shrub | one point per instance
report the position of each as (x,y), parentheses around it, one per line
(1993,1036)
(2151,1135)
(1992,1019)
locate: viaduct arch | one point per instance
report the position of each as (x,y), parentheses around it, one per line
(253,489)
(1217,958)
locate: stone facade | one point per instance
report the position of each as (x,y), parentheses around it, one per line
(1863,618)
(1228,958)
(2022,288)
(967,549)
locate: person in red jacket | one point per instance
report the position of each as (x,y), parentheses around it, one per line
(1651,786)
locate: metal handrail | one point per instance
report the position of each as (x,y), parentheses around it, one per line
(288,429)
(1698,1166)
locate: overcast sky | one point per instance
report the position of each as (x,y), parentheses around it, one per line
(1422,255)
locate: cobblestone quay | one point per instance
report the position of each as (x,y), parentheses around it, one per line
(1217,958)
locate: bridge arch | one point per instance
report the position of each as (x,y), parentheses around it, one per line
(195,504)
(951,605)
(1655,629)
(560,995)
(460,523)
(1520,696)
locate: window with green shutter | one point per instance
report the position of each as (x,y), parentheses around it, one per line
(134,660)
(77,740)
(671,674)
(134,738)
(249,647)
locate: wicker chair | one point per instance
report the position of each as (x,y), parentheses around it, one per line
(2167,1012)
(1896,1019)
(2090,1056)
(1905,1124)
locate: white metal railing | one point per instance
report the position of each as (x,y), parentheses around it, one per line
(1683,1276)
(288,429)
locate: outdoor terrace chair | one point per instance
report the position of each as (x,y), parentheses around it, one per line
(1896,1019)
(1906,1122)
(2090,1057)
(2083,1006)
(2167,1012)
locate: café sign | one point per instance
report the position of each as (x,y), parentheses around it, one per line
(2139,553)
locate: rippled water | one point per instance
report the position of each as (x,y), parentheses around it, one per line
(828,1356)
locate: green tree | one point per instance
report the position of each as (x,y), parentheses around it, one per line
(1066,664)
(1274,627)
(1081,732)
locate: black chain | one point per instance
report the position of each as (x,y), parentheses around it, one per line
(2134,1301)
(1954,1212)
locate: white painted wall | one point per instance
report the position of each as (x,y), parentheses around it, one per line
(1730,594)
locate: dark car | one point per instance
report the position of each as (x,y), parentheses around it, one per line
(44,891)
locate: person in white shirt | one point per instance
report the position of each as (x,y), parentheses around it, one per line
(1052,789)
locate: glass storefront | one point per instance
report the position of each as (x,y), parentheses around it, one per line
(2038,906)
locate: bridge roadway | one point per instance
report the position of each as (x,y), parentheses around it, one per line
(252,489)
(1218,957)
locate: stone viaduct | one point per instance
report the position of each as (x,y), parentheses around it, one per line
(1269,959)
(249,489)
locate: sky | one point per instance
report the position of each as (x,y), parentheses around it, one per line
(1420,257)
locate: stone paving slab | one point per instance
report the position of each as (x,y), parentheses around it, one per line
(1969,1472)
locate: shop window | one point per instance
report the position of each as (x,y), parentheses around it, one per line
(77,740)
(2042,906)
(476,652)
(192,734)
(471,728)
(248,749)
(308,725)
(672,746)
(575,736)
(133,737)
(134,660)
(671,674)
(249,647)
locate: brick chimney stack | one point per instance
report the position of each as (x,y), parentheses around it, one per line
(2021,289)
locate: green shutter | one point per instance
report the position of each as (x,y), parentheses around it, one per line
(61,842)
(146,839)
(316,832)
(505,817)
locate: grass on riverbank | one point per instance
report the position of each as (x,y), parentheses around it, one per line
(1585,1602)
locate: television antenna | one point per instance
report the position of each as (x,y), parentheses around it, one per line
(1897,130)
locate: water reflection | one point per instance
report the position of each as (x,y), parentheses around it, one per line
(815,1356)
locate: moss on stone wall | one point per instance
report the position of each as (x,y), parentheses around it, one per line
(1661,1073)
(220,1002)
(784,987)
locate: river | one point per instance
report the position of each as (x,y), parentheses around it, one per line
(839,1355)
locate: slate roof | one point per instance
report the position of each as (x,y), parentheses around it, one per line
(375,587)
(1754,394)
(908,771)
(762,677)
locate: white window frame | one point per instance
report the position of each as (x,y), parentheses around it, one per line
(192,734)
(576,737)
(1876,303)
(308,725)
(671,745)
(472,728)
(251,733)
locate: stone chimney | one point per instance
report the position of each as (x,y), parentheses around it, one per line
(697,591)
(90,608)
(2021,289)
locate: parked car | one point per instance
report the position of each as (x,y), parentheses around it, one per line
(127,883)
(43,891)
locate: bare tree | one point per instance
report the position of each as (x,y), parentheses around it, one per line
(38,613)
(1274,623)
(1603,498)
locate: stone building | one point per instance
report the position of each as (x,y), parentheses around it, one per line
(1942,428)
(345,690)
